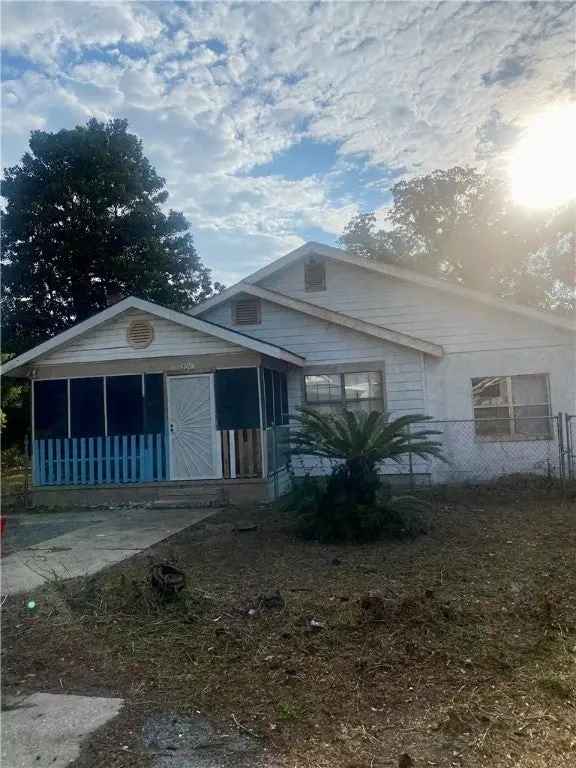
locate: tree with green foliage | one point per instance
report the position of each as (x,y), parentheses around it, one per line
(353,504)
(84,224)
(461,225)
(12,395)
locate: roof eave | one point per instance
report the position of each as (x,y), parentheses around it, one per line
(19,365)
(390,270)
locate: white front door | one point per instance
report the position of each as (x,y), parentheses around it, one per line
(194,441)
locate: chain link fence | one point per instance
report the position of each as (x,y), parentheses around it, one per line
(569,441)
(475,451)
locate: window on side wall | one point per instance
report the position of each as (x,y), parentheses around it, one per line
(512,407)
(335,392)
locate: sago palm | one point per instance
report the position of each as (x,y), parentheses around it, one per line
(363,438)
(355,503)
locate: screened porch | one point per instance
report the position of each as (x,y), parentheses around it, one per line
(157,427)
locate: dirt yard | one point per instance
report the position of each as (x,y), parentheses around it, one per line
(457,648)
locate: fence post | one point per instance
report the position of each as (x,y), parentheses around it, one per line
(570,457)
(560,424)
(275,458)
(410,463)
(28,469)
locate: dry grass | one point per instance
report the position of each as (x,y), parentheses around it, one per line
(13,483)
(469,659)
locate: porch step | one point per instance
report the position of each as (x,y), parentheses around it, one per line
(196,491)
(192,504)
(181,498)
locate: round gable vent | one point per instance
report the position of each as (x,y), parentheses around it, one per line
(140,334)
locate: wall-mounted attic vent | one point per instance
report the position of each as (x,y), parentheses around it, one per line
(314,275)
(140,334)
(247,312)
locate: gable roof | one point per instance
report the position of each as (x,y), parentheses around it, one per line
(328,315)
(195,324)
(391,270)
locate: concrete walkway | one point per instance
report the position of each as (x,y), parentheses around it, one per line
(93,540)
(46,729)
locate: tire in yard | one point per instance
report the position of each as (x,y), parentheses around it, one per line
(167,579)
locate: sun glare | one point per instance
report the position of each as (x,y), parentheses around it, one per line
(543,165)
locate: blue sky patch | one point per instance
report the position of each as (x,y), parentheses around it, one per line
(306,158)
(345,98)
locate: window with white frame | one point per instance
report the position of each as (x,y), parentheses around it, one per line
(335,392)
(512,407)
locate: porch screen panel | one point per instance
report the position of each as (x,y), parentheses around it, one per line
(284,419)
(154,403)
(50,409)
(275,397)
(280,398)
(125,405)
(87,407)
(236,392)
(269,395)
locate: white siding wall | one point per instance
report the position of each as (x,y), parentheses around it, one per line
(449,389)
(108,342)
(478,341)
(459,325)
(325,343)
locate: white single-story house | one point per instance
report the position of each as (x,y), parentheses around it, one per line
(140,399)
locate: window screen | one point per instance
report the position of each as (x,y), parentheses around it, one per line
(50,409)
(284,398)
(153,403)
(275,397)
(512,406)
(269,396)
(363,391)
(237,405)
(334,392)
(125,405)
(87,407)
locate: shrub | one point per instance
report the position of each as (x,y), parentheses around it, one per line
(13,460)
(352,504)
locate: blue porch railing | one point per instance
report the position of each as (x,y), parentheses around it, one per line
(100,460)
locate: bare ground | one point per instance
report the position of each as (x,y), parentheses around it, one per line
(468,659)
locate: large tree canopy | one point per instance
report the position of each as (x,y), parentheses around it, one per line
(83,225)
(461,225)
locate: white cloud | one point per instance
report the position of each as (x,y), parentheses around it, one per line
(42,29)
(215,89)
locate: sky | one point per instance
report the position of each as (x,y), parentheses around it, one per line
(275,122)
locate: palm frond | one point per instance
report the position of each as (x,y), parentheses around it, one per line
(372,437)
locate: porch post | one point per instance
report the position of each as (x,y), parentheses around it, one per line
(232,453)
(33,446)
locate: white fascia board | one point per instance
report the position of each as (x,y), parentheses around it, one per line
(390,270)
(346,321)
(180,318)
(337,318)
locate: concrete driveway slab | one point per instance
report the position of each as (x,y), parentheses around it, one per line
(103,538)
(47,729)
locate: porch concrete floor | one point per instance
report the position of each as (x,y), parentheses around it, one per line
(40,546)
